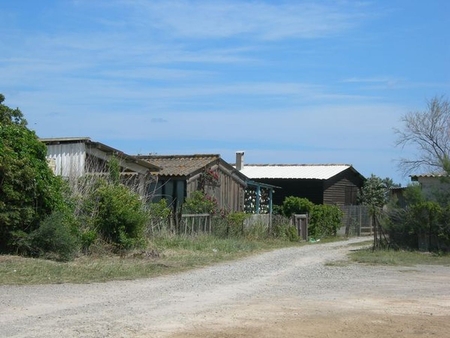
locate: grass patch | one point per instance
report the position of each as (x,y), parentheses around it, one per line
(403,258)
(165,255)
(338,263)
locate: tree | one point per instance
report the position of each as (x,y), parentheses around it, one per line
(429,132)
(28,189)
(373,194)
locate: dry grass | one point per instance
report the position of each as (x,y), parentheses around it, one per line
(167,256)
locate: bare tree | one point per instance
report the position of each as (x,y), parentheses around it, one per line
(429,132)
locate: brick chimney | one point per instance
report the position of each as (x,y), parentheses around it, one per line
(239,160)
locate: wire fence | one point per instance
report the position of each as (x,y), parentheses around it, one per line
(356,220)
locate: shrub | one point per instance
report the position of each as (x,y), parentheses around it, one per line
(296,205)
(159,213)
(116,214)
(324,220)
(423,224)
(291,233)
(235,223)
(199,203)
(56,238)
(121,217)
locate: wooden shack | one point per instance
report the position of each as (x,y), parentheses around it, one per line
(74,157)
(180,175)
(334,184)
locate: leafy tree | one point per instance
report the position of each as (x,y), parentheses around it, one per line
(28,189)
(373,194)
(429,132)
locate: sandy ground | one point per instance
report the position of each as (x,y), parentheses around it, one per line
(306,297)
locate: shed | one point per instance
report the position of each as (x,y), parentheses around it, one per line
(73,157)
(433,185)
(335,184)
(180,175)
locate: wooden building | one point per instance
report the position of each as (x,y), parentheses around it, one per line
(334,184)
(180,175)
(74,157)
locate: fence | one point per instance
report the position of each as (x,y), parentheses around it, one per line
(356,220)
(195,223)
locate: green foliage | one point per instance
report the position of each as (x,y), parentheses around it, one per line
(422,224)
(114,170)
(291,233)
(235,223)
(159,210)
(29,191)
(56,238)
(88,238)
(199,203)
(296,205)
(159,216)
(324,220)
(373,193)
(116,214)
(121,217)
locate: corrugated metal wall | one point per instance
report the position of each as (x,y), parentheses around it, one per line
(67,160)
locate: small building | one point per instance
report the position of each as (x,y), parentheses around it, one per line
(74,157)
(180,175)
(335,184)
(433,185)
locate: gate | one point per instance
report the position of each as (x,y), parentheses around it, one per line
(301,223)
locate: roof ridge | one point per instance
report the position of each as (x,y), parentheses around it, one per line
(177,156)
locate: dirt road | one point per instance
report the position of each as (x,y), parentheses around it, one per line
(295,292)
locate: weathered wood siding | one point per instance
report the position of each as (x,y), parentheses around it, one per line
(342,189)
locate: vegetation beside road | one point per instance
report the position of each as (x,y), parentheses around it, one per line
(168,255)
(398,257)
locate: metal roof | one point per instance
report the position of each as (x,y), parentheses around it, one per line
(431,175)
(100,146)
(293,171)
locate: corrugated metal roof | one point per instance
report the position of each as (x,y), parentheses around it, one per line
(179,165)
(437,175)
(293,171)
(101,146)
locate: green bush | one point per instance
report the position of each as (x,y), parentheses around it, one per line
(324,220)
(235,224)
(423,224)
(199,203)
(292,233)
(159,216)
(296,205)
(116,213)
(56,238)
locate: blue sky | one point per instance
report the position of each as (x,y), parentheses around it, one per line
(285,81)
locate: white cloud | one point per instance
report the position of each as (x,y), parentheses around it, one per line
(262,20)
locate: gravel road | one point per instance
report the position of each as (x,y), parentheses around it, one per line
(304,292)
